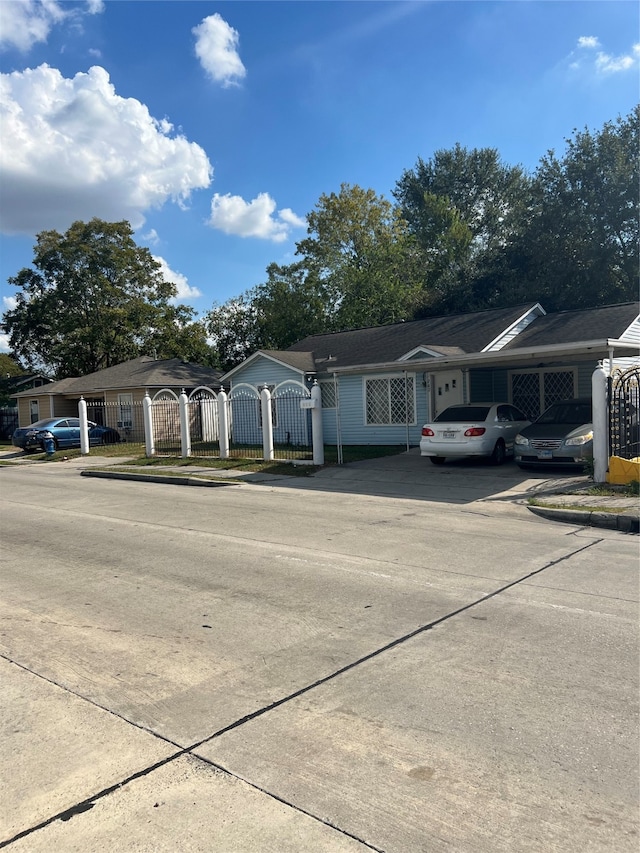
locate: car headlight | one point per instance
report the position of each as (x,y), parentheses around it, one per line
(580,439)
(521,440)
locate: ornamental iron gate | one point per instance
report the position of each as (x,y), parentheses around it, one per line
(292,435)
(165,420)
(624,410)
(245,422)
(202,408)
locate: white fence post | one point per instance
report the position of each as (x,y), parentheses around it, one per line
(148,425)
(84,426)
(600,424)
(185,434)
(223,423)
(317,437)
(267,425)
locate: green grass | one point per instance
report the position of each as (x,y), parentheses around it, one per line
(581,507)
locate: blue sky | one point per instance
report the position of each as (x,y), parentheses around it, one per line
(214,128)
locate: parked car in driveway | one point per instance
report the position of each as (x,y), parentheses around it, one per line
(562,435)
(474,429)
(65,432)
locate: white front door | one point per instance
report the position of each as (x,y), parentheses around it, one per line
(446,390)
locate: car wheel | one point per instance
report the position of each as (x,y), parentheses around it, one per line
(499,453)
(437,460)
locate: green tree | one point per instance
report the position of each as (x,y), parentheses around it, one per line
(290,305)
(92,298)
(362,259)
(233,330)
(581,246)
(464,208)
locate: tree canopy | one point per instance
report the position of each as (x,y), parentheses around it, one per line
(92,299)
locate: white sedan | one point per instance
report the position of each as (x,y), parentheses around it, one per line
(473,429)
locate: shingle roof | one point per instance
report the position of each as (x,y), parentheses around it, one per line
(467,332)
(588,324)
(302,361)
(142,372)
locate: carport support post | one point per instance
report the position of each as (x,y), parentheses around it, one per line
(84,426)
(267,425)
(600,424)
(316,425)
(148,425)
(223,423)
(185,435)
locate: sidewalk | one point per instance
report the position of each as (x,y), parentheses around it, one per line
(557,499)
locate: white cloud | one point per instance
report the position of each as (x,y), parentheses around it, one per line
(607,64)
(180,281)
(216,48)
(9,302)
(4,343)
(151,237)
(602,63)
(233,215)
(74,149)
(25,22)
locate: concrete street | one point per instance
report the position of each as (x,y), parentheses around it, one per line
(381,661)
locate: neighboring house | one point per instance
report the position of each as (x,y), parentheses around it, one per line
(114,395)
(380,384)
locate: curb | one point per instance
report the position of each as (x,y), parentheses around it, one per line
(607,520)
(153,478)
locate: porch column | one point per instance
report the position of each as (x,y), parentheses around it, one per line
(267,425)
(600,424)
(148,425)
(185,434)
(84,426)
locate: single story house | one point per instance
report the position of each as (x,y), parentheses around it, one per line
(114,395)
(380,384)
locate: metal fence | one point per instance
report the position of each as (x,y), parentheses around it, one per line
(203,419)
(245,422)
(292,438)
(624,413)
(8,421)
(127,419)
(165,423)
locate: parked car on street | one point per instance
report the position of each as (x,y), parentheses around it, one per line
(65,432)
(562,435)
(473,429)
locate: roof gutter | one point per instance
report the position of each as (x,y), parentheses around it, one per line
(597,348)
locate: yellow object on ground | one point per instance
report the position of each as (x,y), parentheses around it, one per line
(623,471)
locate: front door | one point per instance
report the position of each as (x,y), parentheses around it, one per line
(446,390)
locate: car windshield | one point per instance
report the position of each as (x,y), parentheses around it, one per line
(463,414)
(566,413)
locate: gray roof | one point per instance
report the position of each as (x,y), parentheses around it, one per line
(302,361)
(468,333)
(142,372)
(588,324)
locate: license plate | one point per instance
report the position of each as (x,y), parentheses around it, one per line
(449,433)
(545,454)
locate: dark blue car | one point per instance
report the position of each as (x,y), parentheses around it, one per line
(65,432)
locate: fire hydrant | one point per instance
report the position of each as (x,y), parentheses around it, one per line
(48,443)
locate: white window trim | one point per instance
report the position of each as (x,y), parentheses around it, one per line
(389,376)
(332,383)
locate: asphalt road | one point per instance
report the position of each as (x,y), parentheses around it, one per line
(294,668)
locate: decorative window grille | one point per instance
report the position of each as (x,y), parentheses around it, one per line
(534,391)
(328,393)
(390,401)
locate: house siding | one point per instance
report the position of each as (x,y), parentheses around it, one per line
(353,427)
(264,371)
